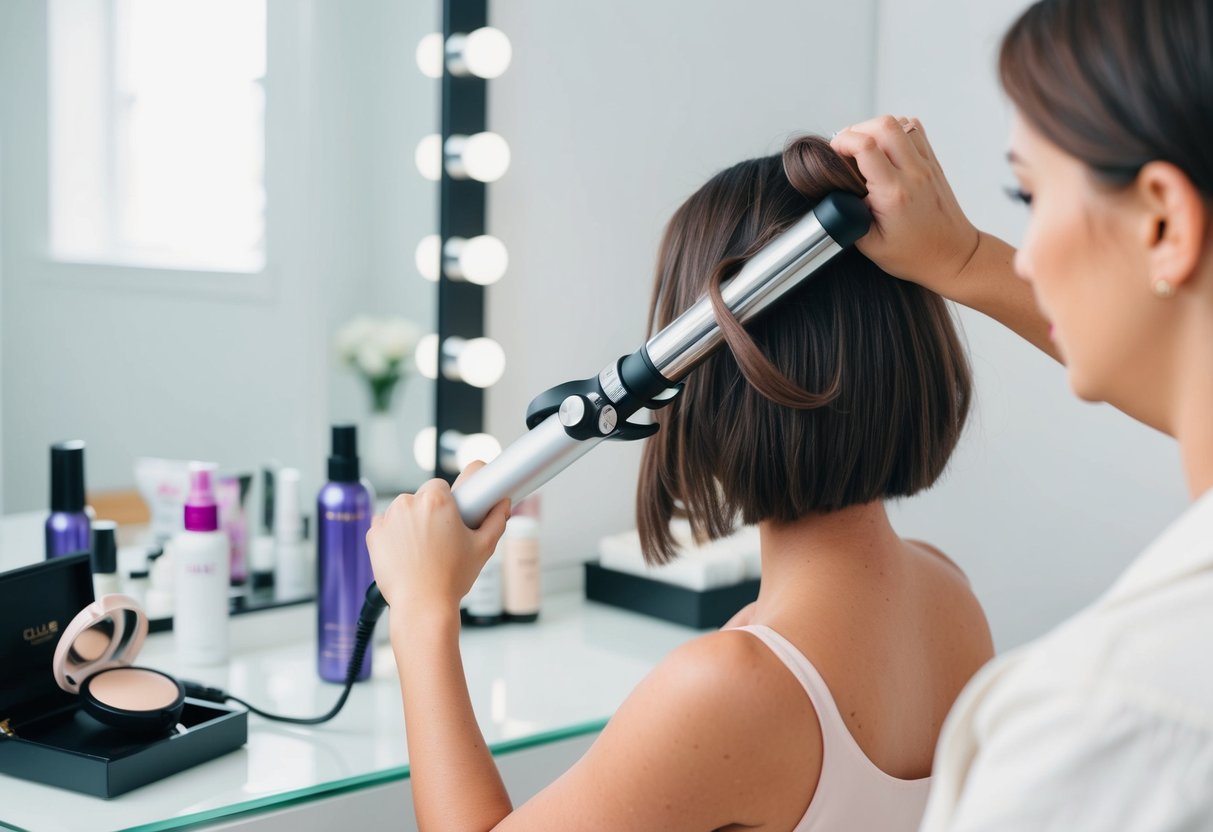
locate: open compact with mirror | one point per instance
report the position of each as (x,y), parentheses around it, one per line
(93,660)
(74,710)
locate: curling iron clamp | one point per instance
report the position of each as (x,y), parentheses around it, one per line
(567,421)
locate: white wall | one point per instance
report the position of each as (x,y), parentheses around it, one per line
(232,368)
(615,113)
(1049,498)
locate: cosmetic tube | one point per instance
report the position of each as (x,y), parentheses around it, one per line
(294,573)
(261,547)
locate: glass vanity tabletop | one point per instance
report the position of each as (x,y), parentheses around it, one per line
(531,684)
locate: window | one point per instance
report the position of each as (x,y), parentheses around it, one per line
(157,132)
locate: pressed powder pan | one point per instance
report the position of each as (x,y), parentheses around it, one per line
(93,660)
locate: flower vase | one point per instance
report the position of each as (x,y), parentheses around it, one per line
(382,452)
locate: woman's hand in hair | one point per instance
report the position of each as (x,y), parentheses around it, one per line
(919,231)
(423,556)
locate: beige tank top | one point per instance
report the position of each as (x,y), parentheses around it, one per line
(852,793)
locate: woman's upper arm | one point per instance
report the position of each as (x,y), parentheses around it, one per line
(684,751)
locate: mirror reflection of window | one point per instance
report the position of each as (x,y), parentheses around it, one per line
(157,132)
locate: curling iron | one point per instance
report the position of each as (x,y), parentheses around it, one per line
(569,420)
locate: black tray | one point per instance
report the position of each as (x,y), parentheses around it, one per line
(706,609)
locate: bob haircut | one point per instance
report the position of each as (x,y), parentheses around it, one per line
(854,388)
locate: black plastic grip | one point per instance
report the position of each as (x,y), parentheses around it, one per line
(844,216)
(640,377)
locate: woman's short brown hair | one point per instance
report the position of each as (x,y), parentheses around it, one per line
(853,388)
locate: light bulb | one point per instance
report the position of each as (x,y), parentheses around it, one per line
(484,157)
(424,450)
(429,157)
(481,260)
(426,357)
(429,55)
(427,257)
(481,362)
(477,446)
(459,450)
(485,53)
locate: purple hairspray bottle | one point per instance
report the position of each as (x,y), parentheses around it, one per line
(343,516)
(68,530)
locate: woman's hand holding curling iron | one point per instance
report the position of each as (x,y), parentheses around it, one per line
(422,553)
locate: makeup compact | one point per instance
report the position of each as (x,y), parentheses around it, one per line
(93,659)
(75,711)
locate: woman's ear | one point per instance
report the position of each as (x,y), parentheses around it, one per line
(1176,223)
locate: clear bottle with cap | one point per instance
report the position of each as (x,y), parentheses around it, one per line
(294,572)
(68,528)
(261,551)
(104,558)
(201,558)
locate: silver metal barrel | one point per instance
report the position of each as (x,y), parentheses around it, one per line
(768,275)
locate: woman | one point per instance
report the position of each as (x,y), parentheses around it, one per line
(1107,722)
(820,706)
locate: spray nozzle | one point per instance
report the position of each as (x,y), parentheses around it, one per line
(343,462)
(201,510)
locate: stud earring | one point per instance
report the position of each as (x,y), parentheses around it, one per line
(1163,289)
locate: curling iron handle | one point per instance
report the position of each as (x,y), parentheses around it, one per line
(527,463)
(373,606)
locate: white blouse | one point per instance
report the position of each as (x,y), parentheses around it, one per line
(1106,723)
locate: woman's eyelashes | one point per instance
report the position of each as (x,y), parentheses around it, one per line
(1018,194)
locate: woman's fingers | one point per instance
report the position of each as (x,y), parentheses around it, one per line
(919,231)
(890,137)
(493,527)
(472,468)
(874,164)
(918,137)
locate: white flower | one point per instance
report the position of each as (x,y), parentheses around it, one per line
(372,361)
(398,339)
(351,337)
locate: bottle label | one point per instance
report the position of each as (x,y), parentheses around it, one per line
(520,576)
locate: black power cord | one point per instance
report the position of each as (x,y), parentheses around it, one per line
(372,608)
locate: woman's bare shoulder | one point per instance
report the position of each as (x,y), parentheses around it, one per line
(706,735)
(956,605)
(734,664)
(935,552)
